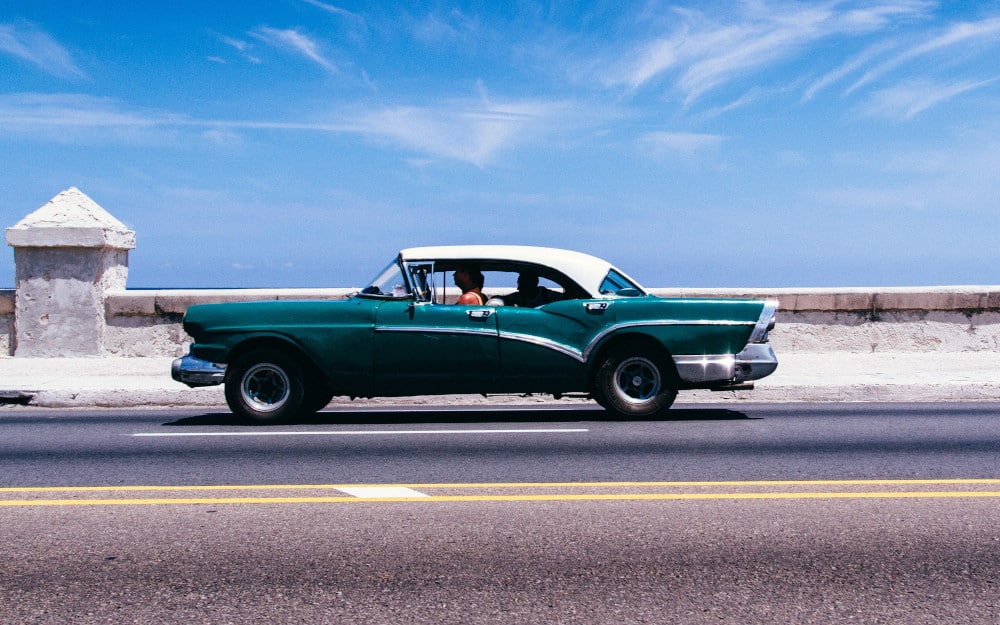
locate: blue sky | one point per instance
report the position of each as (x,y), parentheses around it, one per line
(708,144)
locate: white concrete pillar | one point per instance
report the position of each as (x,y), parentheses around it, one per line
(68,255)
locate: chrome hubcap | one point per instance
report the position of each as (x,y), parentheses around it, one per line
(265,387)
(637,380)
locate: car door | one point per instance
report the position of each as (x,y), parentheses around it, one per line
(426,348)
(542,349)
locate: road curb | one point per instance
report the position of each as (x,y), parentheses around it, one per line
(801,377)
(214,398)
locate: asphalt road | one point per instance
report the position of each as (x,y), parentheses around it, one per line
(700,443)
(728,514)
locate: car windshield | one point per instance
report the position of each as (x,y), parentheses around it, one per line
(389,283)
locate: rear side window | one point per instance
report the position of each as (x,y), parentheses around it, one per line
(617,284)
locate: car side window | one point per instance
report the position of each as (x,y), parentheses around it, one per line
(434,282)
(617,284)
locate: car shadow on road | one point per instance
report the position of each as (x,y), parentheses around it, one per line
(425,415)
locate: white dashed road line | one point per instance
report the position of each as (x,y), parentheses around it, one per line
(363,432)
(378,492)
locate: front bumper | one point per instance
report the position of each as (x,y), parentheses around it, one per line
(196,372)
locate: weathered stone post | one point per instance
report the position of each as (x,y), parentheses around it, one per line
(68,255)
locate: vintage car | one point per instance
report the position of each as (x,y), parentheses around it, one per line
(587,328)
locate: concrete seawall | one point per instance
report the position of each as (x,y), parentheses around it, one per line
(878,320)
(147,323)
(943,319)
(7,322)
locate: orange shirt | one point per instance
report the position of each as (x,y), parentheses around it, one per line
(472,298)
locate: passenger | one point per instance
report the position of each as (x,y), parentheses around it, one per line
(529,294)
(471,282)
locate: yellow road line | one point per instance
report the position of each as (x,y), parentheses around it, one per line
(579,491)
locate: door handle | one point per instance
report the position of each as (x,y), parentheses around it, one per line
(480,315)
(596,308)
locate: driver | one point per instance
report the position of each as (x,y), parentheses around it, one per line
(471,281)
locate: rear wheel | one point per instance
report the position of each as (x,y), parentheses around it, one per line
(265,386)
(633,382)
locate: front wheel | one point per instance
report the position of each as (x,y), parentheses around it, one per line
(632,382)
(265,386)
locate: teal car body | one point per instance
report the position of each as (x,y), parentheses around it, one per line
(598,333)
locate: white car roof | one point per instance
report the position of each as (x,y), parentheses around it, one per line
(586,270)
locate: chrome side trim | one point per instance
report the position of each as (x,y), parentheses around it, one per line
(669,322)
(436,330)
(566,350)
(513,336)
(580,355)
(764,322)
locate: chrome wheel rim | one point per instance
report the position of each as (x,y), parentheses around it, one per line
(637,380)
(265,387)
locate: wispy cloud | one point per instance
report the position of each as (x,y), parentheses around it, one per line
(907,100)
(704,53)
(294,41)
(681,142)
(46,115)
(954,179)
(29,112)
(961,33)
(243,47)
(452,26)
(335,10)
(30,44)
(474,131)
(852,65)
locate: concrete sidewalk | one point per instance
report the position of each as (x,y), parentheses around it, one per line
(832,376)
